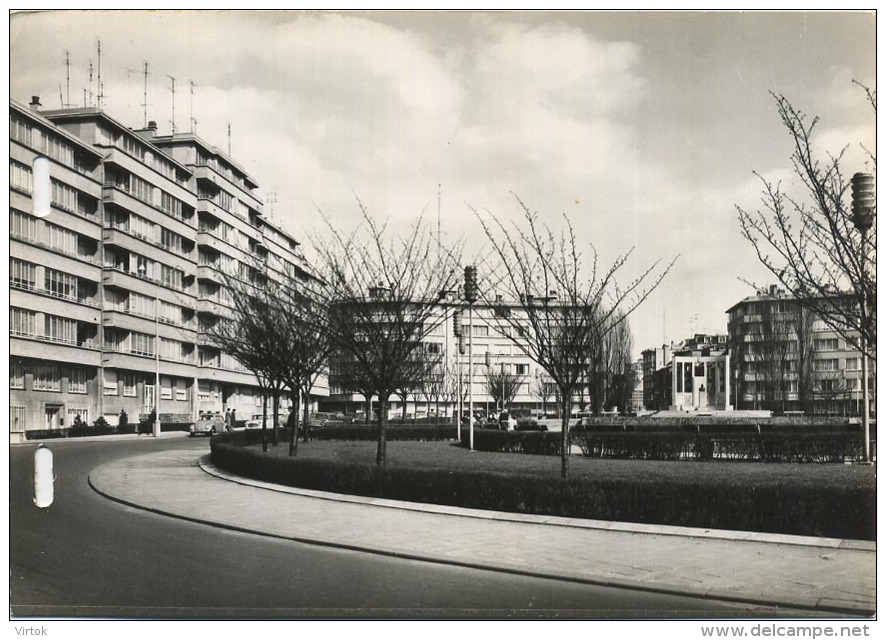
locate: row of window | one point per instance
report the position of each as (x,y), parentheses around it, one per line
(30,229)
(49,377)
(23,322)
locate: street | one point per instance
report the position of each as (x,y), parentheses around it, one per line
(88,556)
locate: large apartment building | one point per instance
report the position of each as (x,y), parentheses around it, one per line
(786,359)
(113,293)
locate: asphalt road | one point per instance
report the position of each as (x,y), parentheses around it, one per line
(86,556)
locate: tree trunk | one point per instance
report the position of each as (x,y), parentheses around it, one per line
(276,415)
(564,455)
(382,430)
(293,437)
(307,409)
(264,421)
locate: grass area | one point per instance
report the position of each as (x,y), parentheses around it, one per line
(449,456)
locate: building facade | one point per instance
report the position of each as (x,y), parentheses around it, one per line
(785,359)
(690,376)
(112,294)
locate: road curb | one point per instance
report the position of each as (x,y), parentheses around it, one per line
(621,583)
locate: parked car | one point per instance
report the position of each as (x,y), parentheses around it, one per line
(248,424)
(208,425)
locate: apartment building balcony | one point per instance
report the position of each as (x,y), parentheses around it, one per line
(210,272)
(147,364)
(121,319)
(130,281)
(42,301)
(121,236)
(228,376)
(209,172)
(118,157)
(38,347)
(212,305)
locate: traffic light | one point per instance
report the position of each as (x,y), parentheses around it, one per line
(471,284)
(863,200)
(456,324)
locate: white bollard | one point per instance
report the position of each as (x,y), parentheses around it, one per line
(44,478)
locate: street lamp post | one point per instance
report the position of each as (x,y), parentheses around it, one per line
(471,297)
(863,200)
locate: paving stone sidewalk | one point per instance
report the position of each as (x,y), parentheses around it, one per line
(824,574)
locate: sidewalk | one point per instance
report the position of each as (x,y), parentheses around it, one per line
(823,574)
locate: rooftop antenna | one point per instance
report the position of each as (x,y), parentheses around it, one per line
(229,139)
(91,94)
(173,102)
(67,102)
(61,99)
(145,95)
(664,333)
(101,86)
(193,120)
(439,196)
(271,200)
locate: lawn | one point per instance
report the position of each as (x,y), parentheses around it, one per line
(451,456)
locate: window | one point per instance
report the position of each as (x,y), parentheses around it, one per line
(432,348)
(481,330)
(64,197)
(22,322)
(47,378)
(171,349)
(59,329)
(20,129)
(171,313)
(77,378)
(57,148)
(831,364)
(140,305)
(181,394)
(170,205)
(129,385)
(22,275)
(165,392)
(74,412)
(144,267)
(21,177)
(826,385)
(133,147)
(17,418)
(141,343)
(141,189)
(61,239)
(171,241)
(16,375)
(142,228)
(827,344)
(175,278)
(225,200)
(59,284)
(110,383)
(522,369)
(852,364)
(22,226)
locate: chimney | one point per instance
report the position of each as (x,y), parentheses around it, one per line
(773,290)
(35,103)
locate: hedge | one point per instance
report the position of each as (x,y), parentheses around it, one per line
(776,440)
(831,511)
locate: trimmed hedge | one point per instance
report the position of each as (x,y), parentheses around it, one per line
(832,511)
(442,431)
(776,440)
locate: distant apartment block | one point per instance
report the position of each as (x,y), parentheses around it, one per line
(787,359)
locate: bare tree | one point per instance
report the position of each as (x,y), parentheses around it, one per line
(502,385)
(562,304)
(248,334)
(384,292)
(809,242)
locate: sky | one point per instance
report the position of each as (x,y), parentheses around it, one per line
(642,129)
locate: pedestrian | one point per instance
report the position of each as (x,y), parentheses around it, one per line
(228,423)
(233,418)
